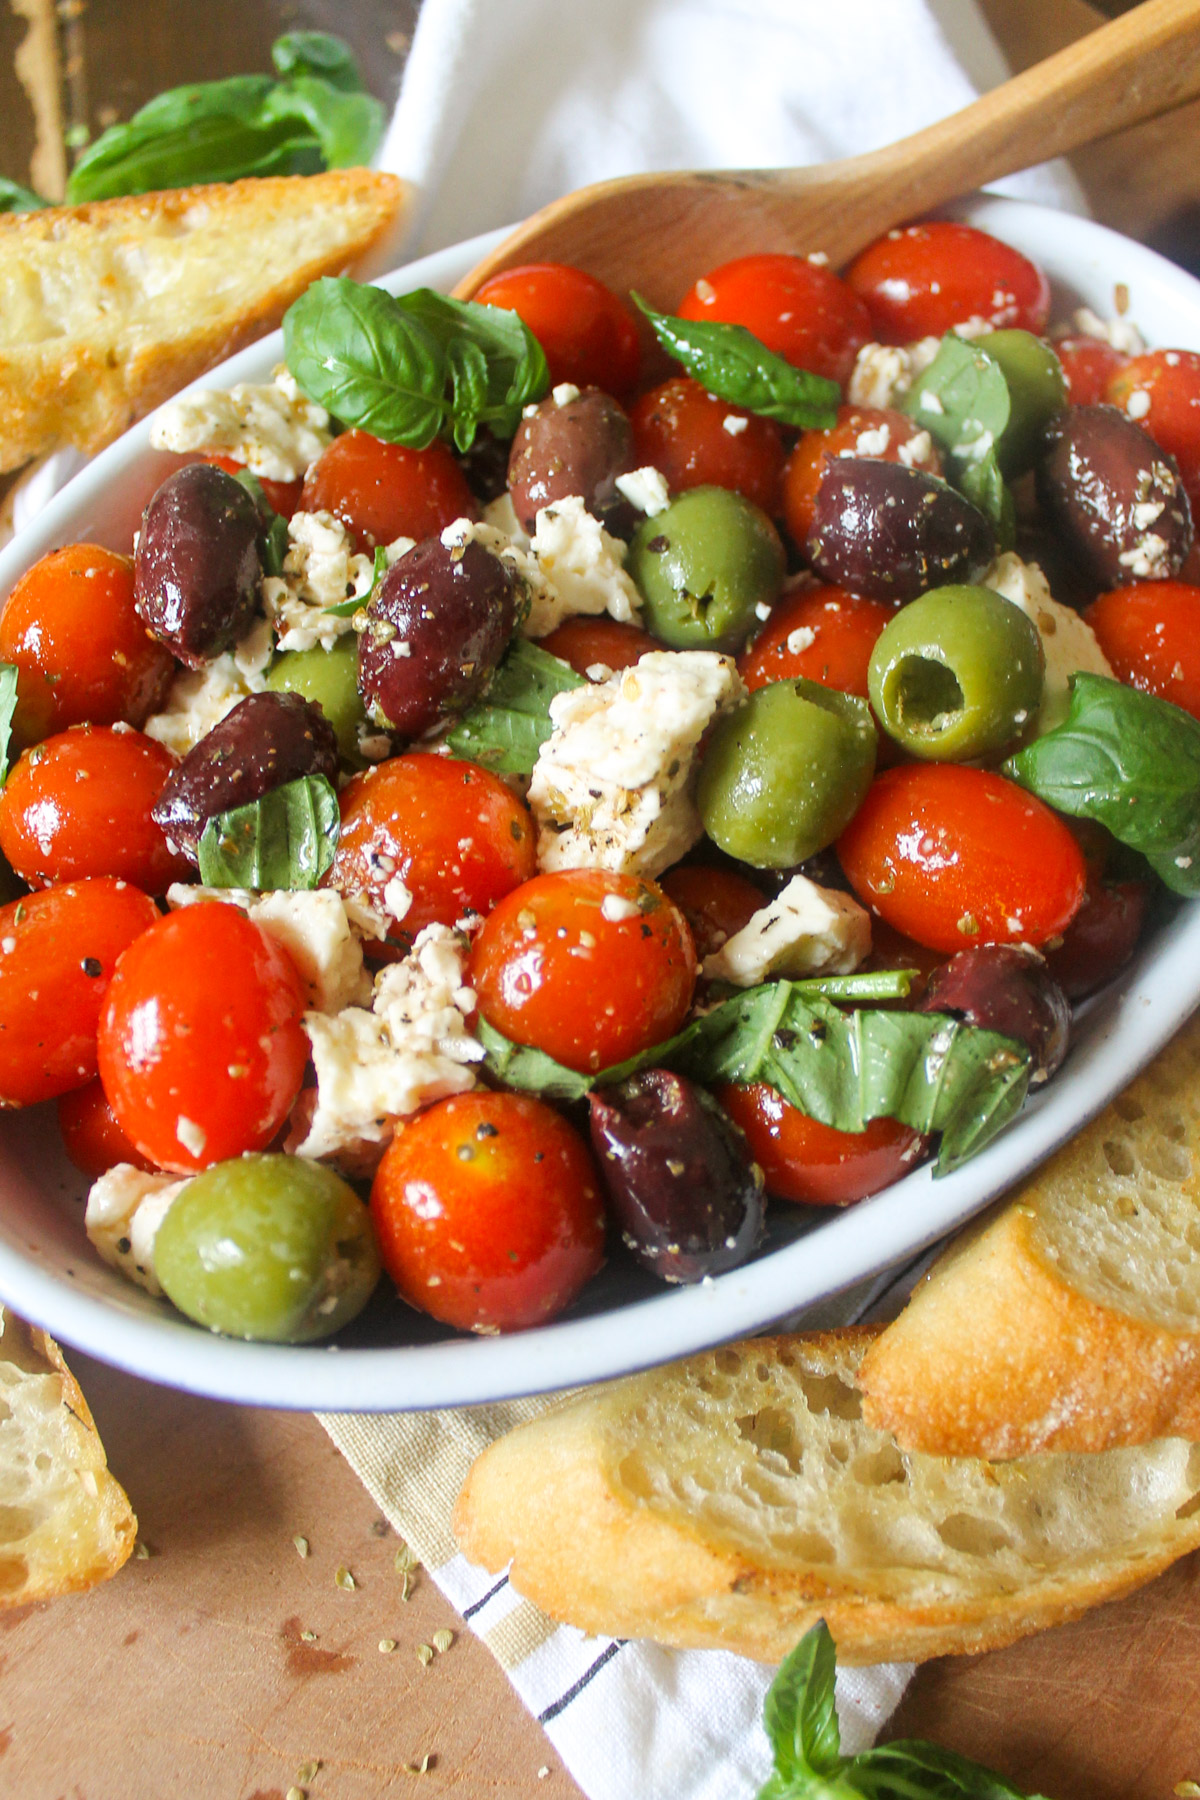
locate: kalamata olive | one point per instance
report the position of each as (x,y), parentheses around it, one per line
(579,447)
(687,1197)
(485,465)
(1003,988)
(891,532)
(197,567)
(1115,496)
(266,740)
(437,625)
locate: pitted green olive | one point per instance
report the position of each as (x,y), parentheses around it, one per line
(957,674)
(703,566)
(330,677)
(785,774)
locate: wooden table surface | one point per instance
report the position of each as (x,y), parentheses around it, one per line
(193,1672)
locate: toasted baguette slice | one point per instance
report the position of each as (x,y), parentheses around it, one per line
(1071,1319)
(731,1500)
(64,1522)
(107,309)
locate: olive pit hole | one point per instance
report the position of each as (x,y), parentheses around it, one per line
(924,694)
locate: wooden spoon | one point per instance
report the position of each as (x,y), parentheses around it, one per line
(658,233)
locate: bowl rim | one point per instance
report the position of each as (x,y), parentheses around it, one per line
(1122,1030)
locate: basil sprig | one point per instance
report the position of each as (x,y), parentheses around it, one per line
(8,706)
(1130,761)
(315,116)
(801,1722)
(287,839)
(17,199)
(734,365)
(963,401)
(411,368)
(506,729)
(928,1070)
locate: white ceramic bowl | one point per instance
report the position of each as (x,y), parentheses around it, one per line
(391,1358)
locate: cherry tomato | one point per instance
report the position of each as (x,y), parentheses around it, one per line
(697,440)
(890,949)
(953,857)
(1150,633)
(820,633)
(1169,380)
(454,834)
(201,1050)
(716,902)
(1101,937)
(922,279)
(798,308)
(488,1213)
(806,1161)
(78,805)
(589,336)
(384,491)
(80,649)
(91,1136)
(585,642)
(1088,364)
(875,431)
(589,966)
(58,950)
(284,496)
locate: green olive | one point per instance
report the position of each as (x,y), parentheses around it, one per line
(268,1247)
(1037,389)
(957,674)
(785,774)
(703,566)
(330,677)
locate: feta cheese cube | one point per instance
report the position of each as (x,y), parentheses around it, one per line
(198,699)
(271,427)
(647,488)
(125,1208)
(806,930)
(571,565)
(1068,642)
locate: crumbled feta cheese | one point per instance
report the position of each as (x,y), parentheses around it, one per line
(315,929)
(1138,404)
(410,1048)
(806,930)
(616,908)
(976,326)
(271,427)
(872,441)
(736,423)
(1149,559)
(125,1208)
(500,515)
(1122,334)
(198,699)
(916,451)
(564,393)
(1069,643)
(571,566)
(612,788)
(252,654)
(193,1137)
(803,638)
(882,374)
(320,570)
(646,489)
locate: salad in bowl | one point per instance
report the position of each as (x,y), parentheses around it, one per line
(541,810)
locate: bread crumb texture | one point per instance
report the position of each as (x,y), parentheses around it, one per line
(731,1500)
(65,1523)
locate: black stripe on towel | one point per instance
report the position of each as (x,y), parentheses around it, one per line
(478,1605)
(564,1700)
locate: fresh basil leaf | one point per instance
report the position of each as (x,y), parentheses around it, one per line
(518,373)
(531,1071)
(1130,761)
(372,365)
(318,53)
(963,402)
(468,368)
(346,609)
(731,362)
(17,199)
(273,537)
(505,730)
(285,840)
(912,1767)
(8,706)
(799,1711)
(347,126)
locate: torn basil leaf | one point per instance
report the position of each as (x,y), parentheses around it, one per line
(285,840)
(734,365)
(505,730)
(8,706)
(963,402)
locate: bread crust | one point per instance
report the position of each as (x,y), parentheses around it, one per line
(113,306)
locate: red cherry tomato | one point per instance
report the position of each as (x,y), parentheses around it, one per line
(1161,391)
(697,440)
(590,967)
(488,1213)
(954,857)
(78,805)
(384,491)
(799,309)
(820,633)
(80,649)
(875,431)
(201,1050)
(1088,365)
(715,902)
(922,279)
(1101,937)
(284,496)
(589,336)
(91,1136)
(456,836)
(812,1163)
(1150,633)
(58,950)
(585,642)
